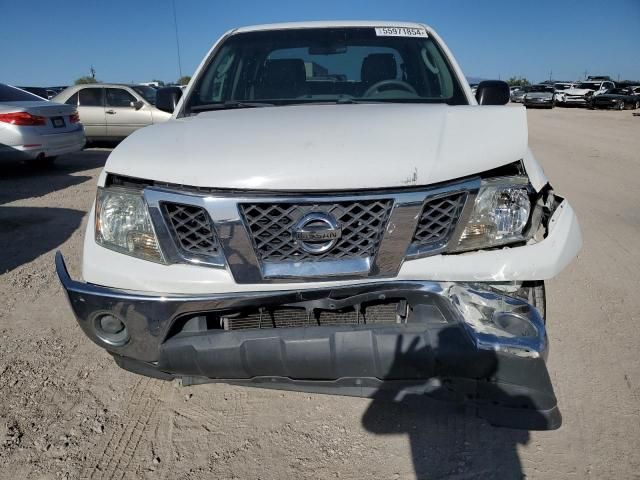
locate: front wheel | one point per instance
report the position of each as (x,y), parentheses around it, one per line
(620,106)
(535,294)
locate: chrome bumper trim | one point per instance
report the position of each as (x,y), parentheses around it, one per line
(149,317)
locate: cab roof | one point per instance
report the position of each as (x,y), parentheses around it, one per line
(329,24)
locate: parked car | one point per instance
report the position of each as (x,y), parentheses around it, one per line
(35,129)
(290,232)
(38,91)
(560,90)
(582,92)
(517,95)
(112,111)
(147,92)
(617,98)
(540,96)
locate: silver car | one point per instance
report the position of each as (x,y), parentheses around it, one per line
(112,111)
(32,128)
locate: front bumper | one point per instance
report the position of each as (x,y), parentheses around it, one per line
(577,100)
(446,350)
(533,102)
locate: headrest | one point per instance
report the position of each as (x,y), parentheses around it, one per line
(377,67)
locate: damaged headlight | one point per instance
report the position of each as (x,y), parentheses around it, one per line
(123,224)
(500,213)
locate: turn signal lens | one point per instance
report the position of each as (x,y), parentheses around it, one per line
(22,119)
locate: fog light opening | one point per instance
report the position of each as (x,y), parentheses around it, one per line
(111,329)
(514,324)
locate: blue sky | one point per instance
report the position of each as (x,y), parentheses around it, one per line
(52,43)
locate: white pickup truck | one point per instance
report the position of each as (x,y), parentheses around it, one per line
(330,209)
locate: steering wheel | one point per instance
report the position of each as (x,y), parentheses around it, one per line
(392,81)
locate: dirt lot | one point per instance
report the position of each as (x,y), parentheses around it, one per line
(66,410)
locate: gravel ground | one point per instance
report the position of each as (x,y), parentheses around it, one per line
(66,410)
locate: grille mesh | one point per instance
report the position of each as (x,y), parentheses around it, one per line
(438,220)
(389,312)
(270,225)
(192,229)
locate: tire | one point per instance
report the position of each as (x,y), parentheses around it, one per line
(636,105)
(535,294)
(620,106)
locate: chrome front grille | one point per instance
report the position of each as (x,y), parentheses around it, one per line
(192,229)
(280,237)
(270,226)
(438,220)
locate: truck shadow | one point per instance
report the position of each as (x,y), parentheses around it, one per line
(28,232)
(447,439)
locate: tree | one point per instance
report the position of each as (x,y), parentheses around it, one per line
(184,80)
(160,82)
(518,81)
(86,79)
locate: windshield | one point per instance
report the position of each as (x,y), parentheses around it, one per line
(562,86)
(618,91)
(284,67)
(11,94)
(591,86)
(148,93)
(541,88)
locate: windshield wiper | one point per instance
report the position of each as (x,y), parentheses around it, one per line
(228,104)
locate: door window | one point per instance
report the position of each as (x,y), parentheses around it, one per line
(90,97)
(73,99)
(118,97)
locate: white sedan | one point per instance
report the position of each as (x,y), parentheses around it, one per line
(35,129)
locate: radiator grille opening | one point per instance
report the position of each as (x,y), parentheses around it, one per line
(388,312)
(192,229)
(438,220)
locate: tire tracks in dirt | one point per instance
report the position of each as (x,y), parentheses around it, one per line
(122,445)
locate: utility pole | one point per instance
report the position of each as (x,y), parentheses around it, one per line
(550,75)
(175,25)
(93,72)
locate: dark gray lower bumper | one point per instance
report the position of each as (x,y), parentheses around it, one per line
(437,354)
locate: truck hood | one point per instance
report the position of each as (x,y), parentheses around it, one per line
(325,147)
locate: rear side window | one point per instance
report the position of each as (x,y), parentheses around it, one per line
(11,94)
(90,97)
(73,99)
(118,97)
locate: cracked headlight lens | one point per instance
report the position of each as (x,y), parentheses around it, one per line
(500,214)
(123,224)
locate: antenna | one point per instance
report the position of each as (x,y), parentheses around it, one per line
(175,25)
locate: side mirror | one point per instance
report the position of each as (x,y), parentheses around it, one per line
(137,104)
(493,92)
(167,98)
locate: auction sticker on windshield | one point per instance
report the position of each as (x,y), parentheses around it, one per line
(400,32)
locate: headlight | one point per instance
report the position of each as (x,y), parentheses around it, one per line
(500,214)
(123,224)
